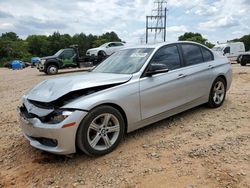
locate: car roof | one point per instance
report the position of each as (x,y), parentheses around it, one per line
(114,42)
(158,45)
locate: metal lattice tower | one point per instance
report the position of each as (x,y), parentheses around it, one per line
(158,21)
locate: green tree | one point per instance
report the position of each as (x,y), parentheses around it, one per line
(38,45)
(195,37)
(12,47)
(10,36)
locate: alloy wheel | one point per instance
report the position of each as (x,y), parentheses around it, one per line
(219,92)
(103,131)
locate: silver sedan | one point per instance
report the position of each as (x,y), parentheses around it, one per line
(133,88)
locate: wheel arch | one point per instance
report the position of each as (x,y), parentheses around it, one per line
(101,50)
(120,109)
(52,62)
(115,106)
(223,77)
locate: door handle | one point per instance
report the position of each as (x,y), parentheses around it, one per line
(210,66)
(181,76)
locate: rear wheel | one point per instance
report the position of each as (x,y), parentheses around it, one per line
(217,93)
(100,131)
(51,69)
(243,63)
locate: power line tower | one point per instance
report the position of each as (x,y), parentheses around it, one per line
(158,21)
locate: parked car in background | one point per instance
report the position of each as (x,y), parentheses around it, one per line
(105,50)
(244,59)
(230,49)
(133,88)
(64,58)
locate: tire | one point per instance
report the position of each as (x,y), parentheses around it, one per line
(100,131)
(243,62)
(102,54)
(51,70)
(217,93)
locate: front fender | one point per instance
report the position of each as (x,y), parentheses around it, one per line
(126,96)
(51,61)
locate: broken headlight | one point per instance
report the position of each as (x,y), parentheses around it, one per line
(59,115)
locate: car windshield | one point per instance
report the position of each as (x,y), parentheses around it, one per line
(104,45)
(217,48)
(58,53)
(126,61)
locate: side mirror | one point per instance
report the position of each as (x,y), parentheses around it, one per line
(156,69)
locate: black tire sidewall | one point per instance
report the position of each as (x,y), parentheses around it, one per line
(48,71)
(102,54)
(81,136)
(211,102)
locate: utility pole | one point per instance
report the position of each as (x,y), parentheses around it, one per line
(159,19)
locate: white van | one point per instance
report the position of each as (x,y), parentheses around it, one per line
(230,49)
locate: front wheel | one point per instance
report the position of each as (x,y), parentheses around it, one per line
(217,93)
(51,69)
(100,131)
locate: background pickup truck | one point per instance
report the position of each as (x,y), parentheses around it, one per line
(64,58)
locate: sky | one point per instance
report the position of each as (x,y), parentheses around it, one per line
(216,20)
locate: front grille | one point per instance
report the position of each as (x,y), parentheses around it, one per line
(24,112)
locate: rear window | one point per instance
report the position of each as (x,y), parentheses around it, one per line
(192,54)
(207,55)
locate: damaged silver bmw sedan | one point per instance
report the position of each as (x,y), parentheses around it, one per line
(132,88)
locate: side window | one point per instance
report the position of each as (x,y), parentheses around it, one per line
(227,50)
(192,54)
(118,44)
(169,56)
(68,54)
(207,55)
(112,45)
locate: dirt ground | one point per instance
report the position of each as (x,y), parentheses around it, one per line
(201,147)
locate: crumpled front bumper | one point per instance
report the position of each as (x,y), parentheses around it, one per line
(40,66)
(35,130)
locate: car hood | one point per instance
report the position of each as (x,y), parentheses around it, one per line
(52,89)
(93,49)
(48,57)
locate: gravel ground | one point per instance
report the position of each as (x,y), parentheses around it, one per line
(198,148)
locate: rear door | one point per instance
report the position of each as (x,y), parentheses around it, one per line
(199,64)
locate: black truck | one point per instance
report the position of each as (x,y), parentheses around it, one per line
(64,58)
(243,59)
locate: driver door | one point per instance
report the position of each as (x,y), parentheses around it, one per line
(164,91)
(67,57)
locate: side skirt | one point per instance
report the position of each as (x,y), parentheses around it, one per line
(167,114)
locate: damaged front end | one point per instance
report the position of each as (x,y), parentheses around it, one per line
(47,119)
(48,128)
(53,112)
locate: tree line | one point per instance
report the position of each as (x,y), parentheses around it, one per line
(12,47)
(197,37)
